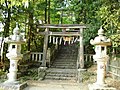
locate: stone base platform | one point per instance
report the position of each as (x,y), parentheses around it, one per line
(96,87)
(81,75)
(13,86)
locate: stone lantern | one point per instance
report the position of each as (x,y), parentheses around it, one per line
(101,42)
(14,54)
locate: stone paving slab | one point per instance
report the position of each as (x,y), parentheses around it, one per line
(55,85)
(10,86)
(96,87)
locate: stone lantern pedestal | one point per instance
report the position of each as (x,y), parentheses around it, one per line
(101,42)
(12,75)
(14,55)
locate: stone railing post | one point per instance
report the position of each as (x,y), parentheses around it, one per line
(48,56)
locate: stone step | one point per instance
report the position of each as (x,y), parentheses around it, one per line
(70,63)
(60,78)
(58,70)
(67,54)
(64,59)
(64,67)
(64,64)
(67,58)
(68,49)
(61,74)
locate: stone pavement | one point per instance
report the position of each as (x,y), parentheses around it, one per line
(55,85)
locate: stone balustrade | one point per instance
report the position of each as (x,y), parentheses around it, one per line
(38,56)
(88,57)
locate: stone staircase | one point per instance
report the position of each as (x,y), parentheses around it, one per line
(64,66)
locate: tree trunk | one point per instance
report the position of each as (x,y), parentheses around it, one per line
(7,21)
(6,32)
(46,12)
(30,29)
(49,12)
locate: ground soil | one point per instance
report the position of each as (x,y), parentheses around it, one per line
(89,77)
(109,78)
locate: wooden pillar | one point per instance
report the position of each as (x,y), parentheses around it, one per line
(81,51)
(45,46)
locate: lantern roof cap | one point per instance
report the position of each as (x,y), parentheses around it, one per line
(101,31)
(16,38)
(16,30)
(100,39)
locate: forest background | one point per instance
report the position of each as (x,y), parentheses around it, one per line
(32,13)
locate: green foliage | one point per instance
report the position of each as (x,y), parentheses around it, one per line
(86,13)
(15,2)
(109,14)
(96,13)
(93,13)
(115,39)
